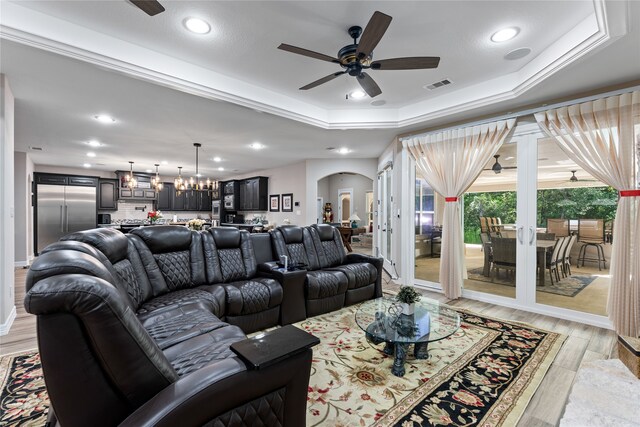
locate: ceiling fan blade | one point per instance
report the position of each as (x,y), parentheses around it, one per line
(372,34)
(322,80)
(413,63)
(150,7)
(307,52)
(369,85)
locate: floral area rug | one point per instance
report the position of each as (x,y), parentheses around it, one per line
(484,374)
(567,286)
(23,397)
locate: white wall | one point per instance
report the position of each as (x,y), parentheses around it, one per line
(7,220)
(23,174)
(283,180)
(321,168)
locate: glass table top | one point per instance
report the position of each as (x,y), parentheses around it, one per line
(382,319)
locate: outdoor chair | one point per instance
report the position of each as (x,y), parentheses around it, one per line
(591,234)
(488,253)
(553,259)
(484,227)
(560,260)
(566,256)
(557,226)
(608,231)
(504,255)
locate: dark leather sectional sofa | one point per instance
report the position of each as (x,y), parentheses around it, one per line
(136,329)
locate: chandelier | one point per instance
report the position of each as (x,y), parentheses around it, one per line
(179,183)
(130,181)
(155,181)
(196,183)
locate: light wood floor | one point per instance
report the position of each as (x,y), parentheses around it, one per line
(584,344)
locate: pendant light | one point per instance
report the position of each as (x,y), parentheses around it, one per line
(131,182)
(179,183)
(197,184)
(497,167)
(155,181)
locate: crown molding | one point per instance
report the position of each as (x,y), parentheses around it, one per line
(608,22)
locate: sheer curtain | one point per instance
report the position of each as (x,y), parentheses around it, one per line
(450,161)
(602,138)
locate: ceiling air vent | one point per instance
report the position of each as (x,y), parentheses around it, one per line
(438,84)
(36,148)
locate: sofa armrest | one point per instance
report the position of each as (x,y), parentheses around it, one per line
(377,262)
(293,307)
(225,390)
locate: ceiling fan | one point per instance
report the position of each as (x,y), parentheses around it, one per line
(357,57)
(574,178)
(150,7)
(497,167)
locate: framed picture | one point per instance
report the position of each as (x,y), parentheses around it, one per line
(274,203)
(287,202)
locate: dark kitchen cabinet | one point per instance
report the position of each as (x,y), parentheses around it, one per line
(165,197)
(144,190)
(178,202)
(191,201)
(204,201)
(254,194)
(107,194)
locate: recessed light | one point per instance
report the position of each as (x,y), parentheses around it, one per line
(220,169)
(94,143)
(378,103)
(504,34)
(357,94)
(256,146)
(103,118)
(217,159)
(164,162)
(91,154)
(196,25)
(343,150)
(148,170)
(87,165)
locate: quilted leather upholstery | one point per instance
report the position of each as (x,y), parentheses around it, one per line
(232,264)
(358,274)
(334,257)
(324,284)
(125,272)
(181,297)
(266,411)
(196,359)
(175,268)
(171,327)
(297,253)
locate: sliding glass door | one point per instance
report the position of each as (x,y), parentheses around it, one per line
(385,209)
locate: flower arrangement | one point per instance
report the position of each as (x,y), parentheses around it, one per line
(408,295)
(195,224)
(153,216)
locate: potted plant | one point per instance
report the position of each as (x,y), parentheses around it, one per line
(407,296)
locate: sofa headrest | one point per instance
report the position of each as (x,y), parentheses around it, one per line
(325,231)
(66,262)
(109,241)
(165,238)
(291,233)
(226,237)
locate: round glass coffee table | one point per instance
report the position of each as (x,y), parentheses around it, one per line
(382,321)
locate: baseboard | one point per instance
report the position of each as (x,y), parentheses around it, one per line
(4,327)
(20,264)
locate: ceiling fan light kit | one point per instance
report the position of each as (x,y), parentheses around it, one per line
(358,57)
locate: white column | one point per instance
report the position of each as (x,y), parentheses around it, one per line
(7,208)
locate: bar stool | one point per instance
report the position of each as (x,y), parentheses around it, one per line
(591,234)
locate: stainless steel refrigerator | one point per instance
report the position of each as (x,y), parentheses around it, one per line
(63,209)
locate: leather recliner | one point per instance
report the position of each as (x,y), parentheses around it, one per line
(334,279)
(130,333)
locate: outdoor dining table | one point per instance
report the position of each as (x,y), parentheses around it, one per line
(542,246)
